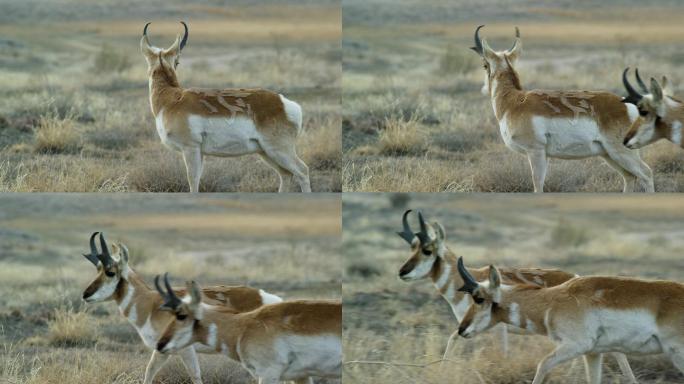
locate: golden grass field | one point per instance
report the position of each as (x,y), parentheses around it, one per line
(76,117)
(395,322)
(414,118)
(287,246)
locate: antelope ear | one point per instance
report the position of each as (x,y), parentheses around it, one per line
(174,49)
(494,278)
(145,47)
(441,235)
(656,91)
(123,254)
(195,292)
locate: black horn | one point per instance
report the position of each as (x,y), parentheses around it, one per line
(478,42)
(105,257)
(423,234)
(640,82)
(171,301)
(145,29)
(406,233)
(92,256)
(185,36)
(632,95)
(469,282)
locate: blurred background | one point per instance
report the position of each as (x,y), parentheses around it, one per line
(76,117)
(288,246)
(415,120)
(395,322)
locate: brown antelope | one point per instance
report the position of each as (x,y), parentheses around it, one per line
(117,281)
(292,340)
(584,316)
(661,115)
(545,124)
(432,259)
(222,122)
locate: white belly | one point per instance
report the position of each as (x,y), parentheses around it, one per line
(627,331)
(225,136)
(318,356)
(568,138)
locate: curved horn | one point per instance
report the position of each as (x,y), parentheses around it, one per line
(632,95)
(145,29)
(176,301)
(469,282)
(185,36)
(406,233)
(478,42)
(423,234)
(159,289)
(105,257)
(640,82)
(92,257)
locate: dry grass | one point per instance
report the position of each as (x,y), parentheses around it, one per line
(49,336)
(407,324)
(70,328)
(400,137)
(77,116)
(394,66)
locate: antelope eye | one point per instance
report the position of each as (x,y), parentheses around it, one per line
(643,113)
(427,252)
(478,300)
(181,316)
(110,273)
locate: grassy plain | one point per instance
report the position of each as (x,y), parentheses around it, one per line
(76,117)
(390,321)
(289,247)
(415,120)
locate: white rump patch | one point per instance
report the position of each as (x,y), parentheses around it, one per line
(293,111)
(268,298)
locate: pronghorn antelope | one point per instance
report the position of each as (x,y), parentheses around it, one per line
(222,122)
(117,281)
(546,124)
(584,316)
(292,340)
(432,259)
(661,115)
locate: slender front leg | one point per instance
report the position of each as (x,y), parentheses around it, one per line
(538,164)
(193,167)
(560,355)
(157,361)
(504,339)
(189,357)
(624,367)
(592,362)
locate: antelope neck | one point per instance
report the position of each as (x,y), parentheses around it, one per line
(163,86)
(506,91)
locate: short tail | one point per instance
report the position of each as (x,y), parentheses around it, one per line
(293,111)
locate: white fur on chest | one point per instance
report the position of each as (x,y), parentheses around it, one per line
(224,136)
(163,133)
(568,138)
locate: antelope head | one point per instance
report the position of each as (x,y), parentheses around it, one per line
(496,62)
(483,314)
(656,106)
(185,327)
(110,270)
(164,59)
(427,246)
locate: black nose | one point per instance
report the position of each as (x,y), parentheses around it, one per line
(86,295)
(162,343)
(460,331)
(626,141)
